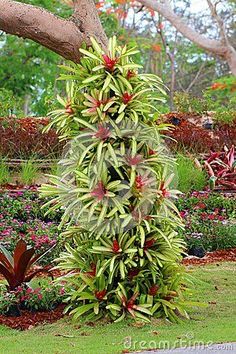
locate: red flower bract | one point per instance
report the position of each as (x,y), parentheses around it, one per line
(132,273)
(102,133)
(100,294)
(92,272)
(132,161)
(109,63)
(99,191)
(115,246)
(149,243)
(130,74)
(153,290)
(69,110)
(126,98)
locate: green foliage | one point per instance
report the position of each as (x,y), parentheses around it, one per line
(220,98)
(9,104)
(189,176)
(28,172)
(44,297)
(210,221)
(185,103)
(4,172)
(114,190)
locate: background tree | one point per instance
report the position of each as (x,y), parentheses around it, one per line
(164,51)
(221,46)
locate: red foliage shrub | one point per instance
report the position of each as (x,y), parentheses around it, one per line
(187,135)
(225,134)
(23,138)
(195,137)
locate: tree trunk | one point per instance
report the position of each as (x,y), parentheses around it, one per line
(26,104)
(231,60)
(63,36)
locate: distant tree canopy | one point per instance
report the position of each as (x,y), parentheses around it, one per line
(29,70)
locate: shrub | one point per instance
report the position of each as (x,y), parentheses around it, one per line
(189,177)
(24,138)
(187,136)
(16,267)
(221,168)
(114,190)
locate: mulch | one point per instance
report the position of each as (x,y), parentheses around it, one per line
(28,319)
(228,255)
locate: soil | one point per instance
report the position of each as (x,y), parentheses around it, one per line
(228,255)
(28,319)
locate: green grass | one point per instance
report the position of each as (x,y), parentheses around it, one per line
(215,323)
(4,172)
(189,177)
(28,172)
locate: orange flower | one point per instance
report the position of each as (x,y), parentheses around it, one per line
(156,47)
(218,86)
(99,4)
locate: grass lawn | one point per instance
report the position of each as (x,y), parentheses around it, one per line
(213,324)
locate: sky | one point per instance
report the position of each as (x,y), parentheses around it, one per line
(198,5)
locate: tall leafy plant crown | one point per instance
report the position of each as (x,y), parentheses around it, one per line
(114,190)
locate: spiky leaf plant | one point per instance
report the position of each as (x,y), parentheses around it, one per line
(114,190)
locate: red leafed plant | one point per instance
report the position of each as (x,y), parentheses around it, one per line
(221,167)
(24,137)
(16,268)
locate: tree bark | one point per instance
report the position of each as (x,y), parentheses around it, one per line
(220,48)
(63,36)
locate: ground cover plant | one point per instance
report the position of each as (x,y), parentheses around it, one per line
(214,323)
(114,190)
(190,178)
(34,302)
(21,217)
(210,221)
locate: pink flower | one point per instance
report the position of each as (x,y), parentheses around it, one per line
(99,191)
(62,291)
(102,133)
(183,214)
(133,161)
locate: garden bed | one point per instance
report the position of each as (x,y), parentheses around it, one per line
(29,319)
(228,255)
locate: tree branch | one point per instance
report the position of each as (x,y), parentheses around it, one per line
(222,49)
(192,83)
(63,36)
(164,8)
(219,22)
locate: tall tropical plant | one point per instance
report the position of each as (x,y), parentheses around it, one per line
(114,190)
